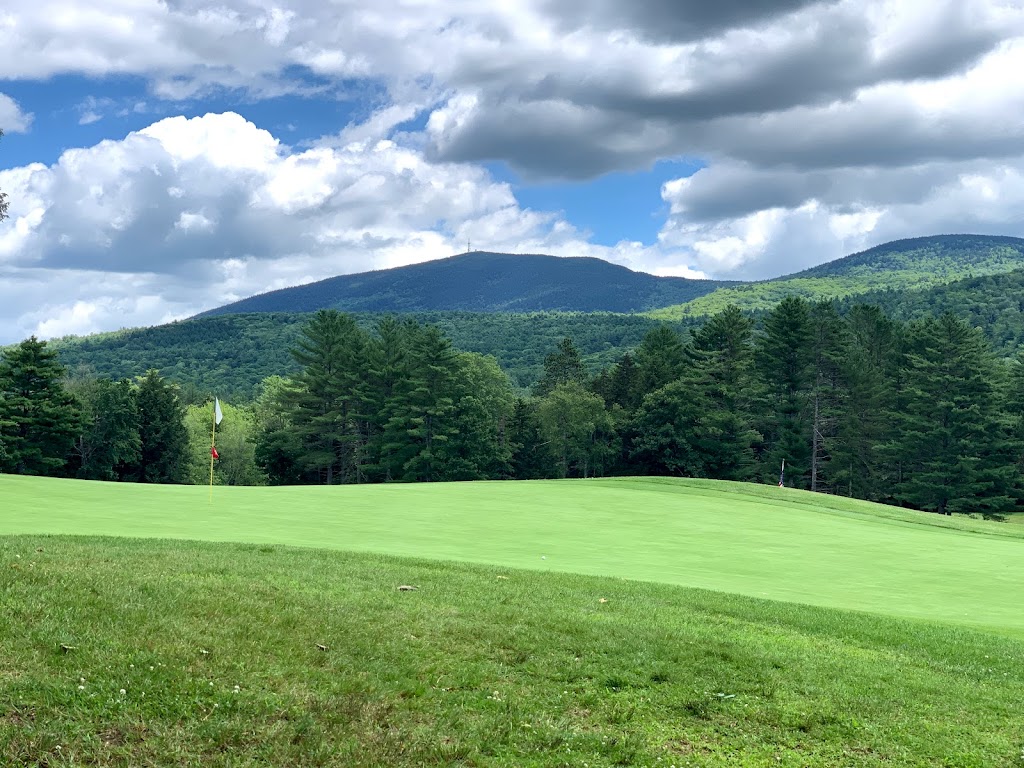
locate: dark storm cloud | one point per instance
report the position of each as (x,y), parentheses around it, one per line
(671,20)
(570,120)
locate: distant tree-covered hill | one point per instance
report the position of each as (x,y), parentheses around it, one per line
(230,354)
(484,282)
(911,264)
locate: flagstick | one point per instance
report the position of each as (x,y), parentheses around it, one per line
(213,443)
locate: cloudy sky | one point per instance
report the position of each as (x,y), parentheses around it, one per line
(165,156)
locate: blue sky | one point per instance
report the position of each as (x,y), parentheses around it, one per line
(165,158)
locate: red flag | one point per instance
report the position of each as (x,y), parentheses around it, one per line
(213,452)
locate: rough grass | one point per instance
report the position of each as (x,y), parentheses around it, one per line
(758,541)
(185,653)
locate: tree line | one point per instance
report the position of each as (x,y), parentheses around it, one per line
(919,414)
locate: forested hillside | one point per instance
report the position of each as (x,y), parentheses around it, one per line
(231,354)
(920,414)
(903,265)
(484,282)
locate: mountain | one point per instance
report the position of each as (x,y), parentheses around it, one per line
(911,264)
(231,353)
(484,282)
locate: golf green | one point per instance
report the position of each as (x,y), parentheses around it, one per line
(753,540)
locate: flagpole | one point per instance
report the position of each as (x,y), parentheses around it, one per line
(213,444)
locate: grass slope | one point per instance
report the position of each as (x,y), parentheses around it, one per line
(903,265)
(184,654)
(751,540)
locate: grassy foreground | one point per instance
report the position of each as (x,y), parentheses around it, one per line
(758,541)
(180,653)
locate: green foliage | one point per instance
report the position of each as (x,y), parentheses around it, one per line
(902,265)
(785,360)
(324,404)
(236,447)
(420,419)
(39,419)
(109,444)
(660,358)
(163,438)
(562,366)
(230,355)
(577,429)
(955,454)
(485,404)
(871,371)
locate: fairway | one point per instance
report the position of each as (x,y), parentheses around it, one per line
(759,541)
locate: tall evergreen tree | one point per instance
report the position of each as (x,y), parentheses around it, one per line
(479,449)
(660,358)
(39,418)
(784,357)
(326,403)
(163,439)
(955,443)
(562,366)
(868,416)
(828,348)
(531,455)
(387,366)
(420,415)
(620,384)
(721,377)
(278,446)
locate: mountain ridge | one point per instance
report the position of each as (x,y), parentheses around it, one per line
(482,281)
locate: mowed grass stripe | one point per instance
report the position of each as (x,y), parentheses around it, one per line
(242,655)
(750,540)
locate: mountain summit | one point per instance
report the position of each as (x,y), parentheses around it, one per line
(485,282)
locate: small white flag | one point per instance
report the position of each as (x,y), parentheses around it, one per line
(217,415)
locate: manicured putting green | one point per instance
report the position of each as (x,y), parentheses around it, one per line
(753,540)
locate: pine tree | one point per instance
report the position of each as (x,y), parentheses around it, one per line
(954,440)
(861,466)
(721,376)
(387,366)
(479,447)
(562,366)
(620,384)
(39,419)
(326,403)
(828,349)
(420,414)
(163,438)
(784,357)
(660,359)
(531,456)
